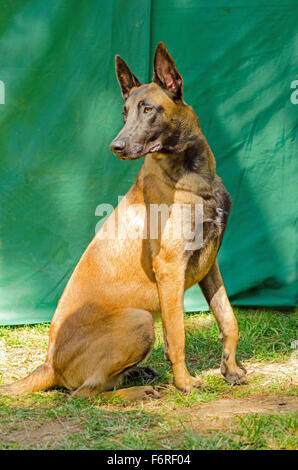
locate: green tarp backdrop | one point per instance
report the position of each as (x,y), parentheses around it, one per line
(61,106)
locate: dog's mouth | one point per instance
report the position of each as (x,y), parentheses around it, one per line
(155,148)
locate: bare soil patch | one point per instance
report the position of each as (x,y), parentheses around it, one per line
(19,362)
(229,407)
(47,434)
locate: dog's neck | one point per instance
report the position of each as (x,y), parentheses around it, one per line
(192,156)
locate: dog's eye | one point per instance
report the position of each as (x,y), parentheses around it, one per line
(147,109)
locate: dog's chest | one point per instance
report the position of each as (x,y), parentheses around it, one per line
(184,224)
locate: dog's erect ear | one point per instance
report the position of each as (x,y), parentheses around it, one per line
(166,74)
(126,79)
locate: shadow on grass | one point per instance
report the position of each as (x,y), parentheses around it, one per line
(54,420)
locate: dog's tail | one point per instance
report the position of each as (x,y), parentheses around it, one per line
(41,379)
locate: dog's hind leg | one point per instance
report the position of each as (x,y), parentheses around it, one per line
(213,289)
(129,341)
(141,372)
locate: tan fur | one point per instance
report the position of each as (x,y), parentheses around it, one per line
(103,324)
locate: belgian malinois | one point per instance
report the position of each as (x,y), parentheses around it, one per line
(103,325)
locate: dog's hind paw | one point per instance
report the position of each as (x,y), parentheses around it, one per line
(137,393)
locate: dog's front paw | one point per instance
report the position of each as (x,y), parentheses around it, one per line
(235,376)
(188,383)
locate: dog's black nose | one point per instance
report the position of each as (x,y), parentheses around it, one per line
(117,145)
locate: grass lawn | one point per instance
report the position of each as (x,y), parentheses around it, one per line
(260,415)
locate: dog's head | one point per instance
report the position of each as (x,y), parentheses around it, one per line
(156,119)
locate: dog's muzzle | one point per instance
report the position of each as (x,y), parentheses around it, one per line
(126,152)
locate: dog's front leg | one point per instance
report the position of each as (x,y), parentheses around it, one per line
(214,290)
(170,281)
(166,346)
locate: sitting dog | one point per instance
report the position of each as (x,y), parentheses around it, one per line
(104,322)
